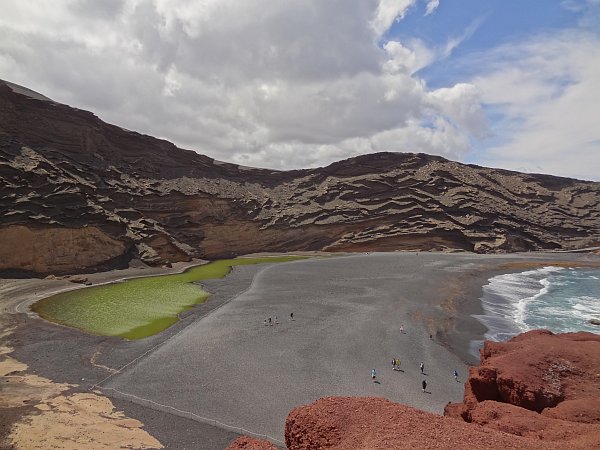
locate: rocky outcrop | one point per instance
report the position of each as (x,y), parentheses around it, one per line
(248,443)
(57,249)
(539,385)
(63,168)
(348,423)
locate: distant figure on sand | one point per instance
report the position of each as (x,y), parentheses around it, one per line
(455,375)
(291,316)
(265,322)
(270,321)
(402,329)
(373,374)
(398,362)
(424,384)
(422,367)
(276,319)
(394,364)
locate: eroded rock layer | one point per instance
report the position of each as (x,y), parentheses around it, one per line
(64,169)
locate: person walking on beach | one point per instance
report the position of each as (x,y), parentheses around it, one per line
(291,316)
(422,367)
(276,319)
(455,375)
(394,364)
(265,322)
(401,329)
(424,384)
(373,374)
(270,321)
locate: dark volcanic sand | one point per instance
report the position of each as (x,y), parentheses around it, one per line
(341,294)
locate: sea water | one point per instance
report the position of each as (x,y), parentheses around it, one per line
(554,298)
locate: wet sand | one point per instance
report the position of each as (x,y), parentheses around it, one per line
(221,363)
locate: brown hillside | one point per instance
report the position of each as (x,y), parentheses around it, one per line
(79,193)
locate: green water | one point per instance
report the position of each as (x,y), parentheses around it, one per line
(139,307)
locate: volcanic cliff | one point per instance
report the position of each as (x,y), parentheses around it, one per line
(77,193)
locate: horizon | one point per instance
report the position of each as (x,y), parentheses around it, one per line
(298,85)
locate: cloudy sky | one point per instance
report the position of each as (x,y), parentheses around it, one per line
(302,83)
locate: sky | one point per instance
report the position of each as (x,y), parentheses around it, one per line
(302,83)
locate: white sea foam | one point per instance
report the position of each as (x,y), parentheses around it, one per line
(507,300)
(586,307)
(553,298)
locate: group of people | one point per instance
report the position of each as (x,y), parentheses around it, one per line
(396,366)
(270,322)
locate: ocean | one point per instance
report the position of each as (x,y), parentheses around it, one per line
(554,298)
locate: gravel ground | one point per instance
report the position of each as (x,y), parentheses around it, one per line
(231,368)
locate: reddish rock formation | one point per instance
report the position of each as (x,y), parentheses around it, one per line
(248,443)
(538,384)
(347,423)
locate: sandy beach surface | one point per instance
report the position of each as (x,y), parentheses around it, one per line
(220,371)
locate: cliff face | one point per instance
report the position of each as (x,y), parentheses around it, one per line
(63,169)
(536,391)
(539,385)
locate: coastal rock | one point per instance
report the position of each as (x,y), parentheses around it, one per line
(594,321)
(538,384)
(78,193)
(348,423)
(248,443)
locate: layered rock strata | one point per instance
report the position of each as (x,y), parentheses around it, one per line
(101,195)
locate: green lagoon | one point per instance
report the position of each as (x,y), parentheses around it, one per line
(139,307)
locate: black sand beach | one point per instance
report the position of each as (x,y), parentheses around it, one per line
(221,363)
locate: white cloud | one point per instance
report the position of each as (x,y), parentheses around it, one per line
(387,12)
(408,57)
(547,92)
(579,5)
(295,83)
(460,104)
(455,41)
(432,5)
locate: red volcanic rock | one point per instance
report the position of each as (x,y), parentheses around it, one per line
(538,384)
(523,422)
(248,443)
(348,423)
